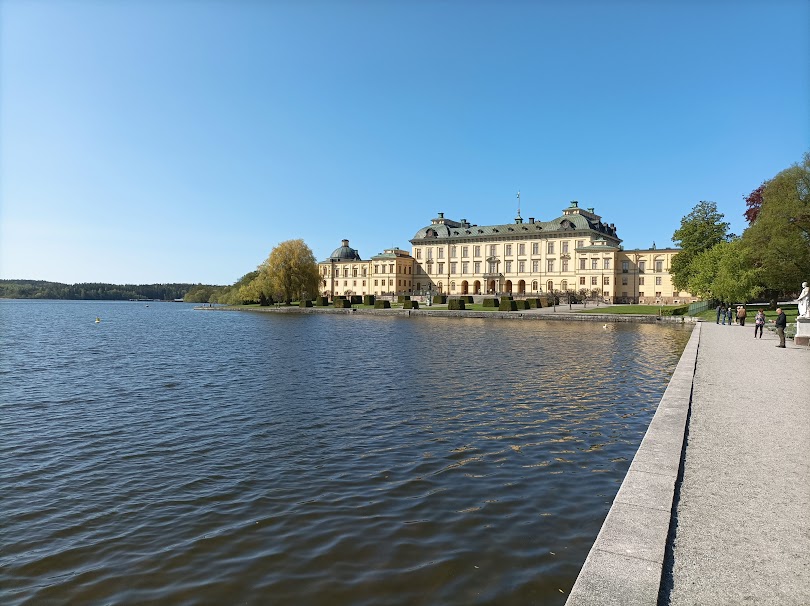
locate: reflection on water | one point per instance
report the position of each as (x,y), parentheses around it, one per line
(183,457)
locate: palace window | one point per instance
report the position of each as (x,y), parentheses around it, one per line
(625,266)
(418,252)
(657,294)
(582,280)
(365,270)
(354,282)
(606,264)
(465,267)
(624,280)
(441,268)
(641,293)
(390,268)
(375,282)
(430,254)
(534,286)
(452,287)
(441,253)
(606,281)
(439,286)
(564,248)
(550,249)
(477,267)
(641,281)
(508,250)
(493,250)
(594,280)
(535,248)
(659,266)
(476,251)
(550,265)
(564,285)
(453,252)
(521,249)
(453,267)
(594,263)
(582,263)
(550,286)
(642,266)
(535,266)
(521,266)
(465,251)
(564,264)
(509,267)
(580,243)
(658,281)
(354,272)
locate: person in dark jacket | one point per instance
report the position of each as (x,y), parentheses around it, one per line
(781,324)
(721,310)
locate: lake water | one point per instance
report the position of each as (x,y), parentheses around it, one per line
(172,456)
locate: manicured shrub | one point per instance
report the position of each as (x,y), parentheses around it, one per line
(533,303)
(343,303)
(456,304)
(440,299)
(357,299)
(675,311)
(491,302)
(368,299)
(521,304)
(507,305)
(321,301)
(410,304)
(402,298)
(382,304)
(305,303)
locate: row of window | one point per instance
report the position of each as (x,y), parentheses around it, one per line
(378,269)
(492,250)
(381,283)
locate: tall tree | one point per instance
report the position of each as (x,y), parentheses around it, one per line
(725,272)
(700,230)
(289,273)
(778,241)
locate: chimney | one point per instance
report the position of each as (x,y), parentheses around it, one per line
(574,204)
(441,215)
(531,219)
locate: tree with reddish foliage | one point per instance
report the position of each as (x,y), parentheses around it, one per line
(754,203)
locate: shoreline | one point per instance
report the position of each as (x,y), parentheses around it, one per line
(545,313)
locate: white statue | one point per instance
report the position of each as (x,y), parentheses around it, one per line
(804,301)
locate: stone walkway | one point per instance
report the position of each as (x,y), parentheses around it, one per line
(742,533)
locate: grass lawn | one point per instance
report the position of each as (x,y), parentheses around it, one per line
(791,312)
(644,310)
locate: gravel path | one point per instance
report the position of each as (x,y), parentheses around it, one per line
(743,518)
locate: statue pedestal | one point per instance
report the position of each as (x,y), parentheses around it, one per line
(802,332)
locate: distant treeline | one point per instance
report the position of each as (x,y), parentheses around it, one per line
(40,289)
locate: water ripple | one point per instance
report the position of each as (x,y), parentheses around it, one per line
(172,456)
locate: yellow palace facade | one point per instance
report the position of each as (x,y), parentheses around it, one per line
(576,252)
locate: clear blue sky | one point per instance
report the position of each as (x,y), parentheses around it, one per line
(150,141)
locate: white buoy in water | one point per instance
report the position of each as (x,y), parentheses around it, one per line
(98,320)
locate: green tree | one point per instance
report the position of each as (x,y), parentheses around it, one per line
(725,272)
(288,274)
(700,230)
(778,241)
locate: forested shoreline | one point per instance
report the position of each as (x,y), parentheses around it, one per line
(98,291)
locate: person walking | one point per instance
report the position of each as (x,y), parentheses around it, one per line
(721,310)
(741,313)
(730,315)
(781,324)
(759,323)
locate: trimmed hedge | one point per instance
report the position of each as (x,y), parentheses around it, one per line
(507,305)
(410,304)
(343,303)
(402,298)
(491,302)
(321,301)
(305,303)
(368,299)
(456,304)
(357,299)
(534,303)
(440,299)
(675,311)
(382,304)
(521,304)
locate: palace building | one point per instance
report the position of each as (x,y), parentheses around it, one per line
(575,253)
